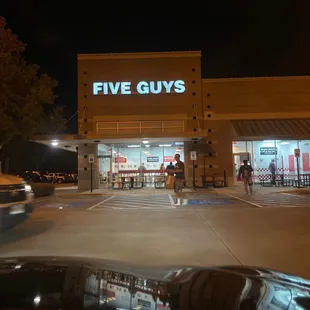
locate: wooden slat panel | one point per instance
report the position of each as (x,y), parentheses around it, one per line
(252,128)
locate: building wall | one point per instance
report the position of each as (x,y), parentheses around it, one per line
(257,98)
(99,110)
(214,152)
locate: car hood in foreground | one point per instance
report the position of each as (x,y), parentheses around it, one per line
(78,283)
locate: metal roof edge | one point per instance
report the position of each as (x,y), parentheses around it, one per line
(171,54)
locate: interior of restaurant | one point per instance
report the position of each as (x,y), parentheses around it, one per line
(141,161)
(284,153)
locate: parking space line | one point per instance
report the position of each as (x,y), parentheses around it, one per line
(246,201)
(295,195)
(99,203)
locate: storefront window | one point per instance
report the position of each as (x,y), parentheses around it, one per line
(281,153)
(304,146)
(124,160)
(249,150)
(241,150)
(239,146)
(264,152)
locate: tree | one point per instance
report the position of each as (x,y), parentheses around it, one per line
(52,122)
(25,95)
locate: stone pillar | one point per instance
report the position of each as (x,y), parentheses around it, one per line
(220,141)
(214,154)
(84,166)
(201,152)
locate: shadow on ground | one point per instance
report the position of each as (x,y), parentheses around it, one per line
(25,230)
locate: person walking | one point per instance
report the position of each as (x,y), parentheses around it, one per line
(245,171)
(179,172)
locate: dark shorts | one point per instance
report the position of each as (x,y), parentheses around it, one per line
(178,185)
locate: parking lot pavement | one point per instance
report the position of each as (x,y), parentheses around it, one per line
(140,200)
(77,202)
(268,237)
(195,235)
(137,236)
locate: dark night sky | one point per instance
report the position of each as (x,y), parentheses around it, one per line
(238,38)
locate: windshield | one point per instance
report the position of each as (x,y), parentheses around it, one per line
(164,140)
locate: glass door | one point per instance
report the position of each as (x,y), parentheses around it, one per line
(105,163)
(238,159)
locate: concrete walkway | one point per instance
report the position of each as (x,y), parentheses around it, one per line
(257,188)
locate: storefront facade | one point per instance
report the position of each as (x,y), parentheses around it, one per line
(270,118)
(137,109)
(143,108)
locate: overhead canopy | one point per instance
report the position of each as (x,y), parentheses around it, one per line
(293,128)
(71,142)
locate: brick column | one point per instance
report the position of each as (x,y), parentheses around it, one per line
(84,166)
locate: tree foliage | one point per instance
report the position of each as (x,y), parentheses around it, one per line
(25,95)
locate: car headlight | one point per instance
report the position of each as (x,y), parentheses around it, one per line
(28,188)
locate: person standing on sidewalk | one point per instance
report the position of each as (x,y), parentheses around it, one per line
(179,172)
(246,172)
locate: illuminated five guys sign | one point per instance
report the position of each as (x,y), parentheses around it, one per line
(141,88)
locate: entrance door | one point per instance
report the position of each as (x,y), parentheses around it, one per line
(105,157)
(238,162)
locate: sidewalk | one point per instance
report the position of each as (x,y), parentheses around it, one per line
(258,189)
(117,192)
(237,190)
(143,191)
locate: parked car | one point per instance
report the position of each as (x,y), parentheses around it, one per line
(15,200)
(61,178)
(34,177)
(56,177)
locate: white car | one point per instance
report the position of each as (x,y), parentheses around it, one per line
(15,200)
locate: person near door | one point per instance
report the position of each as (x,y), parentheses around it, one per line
(272,168)
(245,172)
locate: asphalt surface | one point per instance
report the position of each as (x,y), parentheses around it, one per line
(213,230)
